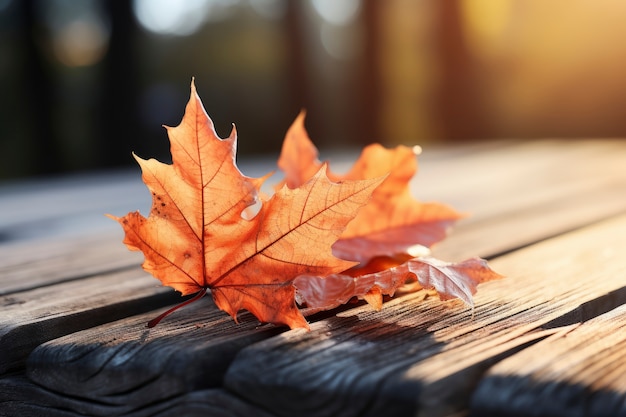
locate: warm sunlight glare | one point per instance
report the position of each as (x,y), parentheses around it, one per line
(485,21)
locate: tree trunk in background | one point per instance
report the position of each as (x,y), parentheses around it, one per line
(118,120)
(297,77)
(459,110)
(368,97)
(358,119)
(39,98)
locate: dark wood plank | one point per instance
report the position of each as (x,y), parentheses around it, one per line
(20,397)
(17,395)
(579,373)
(124,364)
(32,317)
(426,357)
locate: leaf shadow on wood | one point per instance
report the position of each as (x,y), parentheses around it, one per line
(578,371)
(346,365)
(516,396)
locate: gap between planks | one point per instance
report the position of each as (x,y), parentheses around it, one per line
(580,373)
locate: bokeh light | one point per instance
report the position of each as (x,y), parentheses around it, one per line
(101,77)
(270,9)
(79,31)
(339,13)
(180,18)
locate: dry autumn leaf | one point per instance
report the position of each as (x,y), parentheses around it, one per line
(449,280)
(195,238)
(388,236)
(327,237)
(393,221)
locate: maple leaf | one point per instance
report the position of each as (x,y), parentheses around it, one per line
(393,221)
(196,239)
(450,280)
(389,236)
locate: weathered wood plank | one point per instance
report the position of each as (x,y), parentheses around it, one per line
(76,204)
(17,395)
(66,206)
(425,358)
(35,264)
(126,365)
(518,194)
(580,373)
(522,225)
(490,181)
(32,317)
(525,192)
(469,177)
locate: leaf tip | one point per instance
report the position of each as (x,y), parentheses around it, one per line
(233,133)
(299,323)
(110,216)
(374,298)
(301,116)
(194,92)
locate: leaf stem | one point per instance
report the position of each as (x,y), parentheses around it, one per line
(156,320)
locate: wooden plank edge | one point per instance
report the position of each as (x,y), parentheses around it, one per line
(576,373)
(28,323)
(20,397)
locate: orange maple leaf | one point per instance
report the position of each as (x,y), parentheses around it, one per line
(393,221)
(388,236)
(196,239)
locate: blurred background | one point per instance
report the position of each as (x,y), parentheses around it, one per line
(84,83)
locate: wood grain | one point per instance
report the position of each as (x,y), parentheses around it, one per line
(578,373)
(491,180)
(524,192)
(32,317)
(425,358)
(73,205)
(17,394)
(68,206)
(64,272)
(126,365)
(45,262)
(523,225)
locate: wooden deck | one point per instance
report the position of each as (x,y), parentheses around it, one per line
(549,340)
